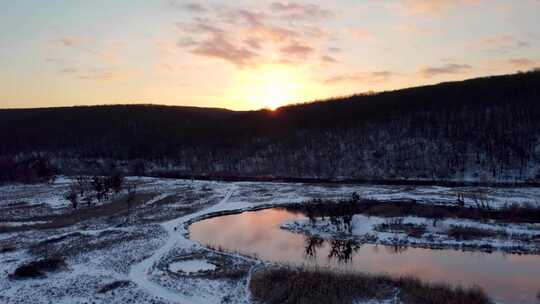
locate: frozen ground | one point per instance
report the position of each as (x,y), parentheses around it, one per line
(130,257)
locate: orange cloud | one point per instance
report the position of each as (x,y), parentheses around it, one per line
(414,7)
(413,29)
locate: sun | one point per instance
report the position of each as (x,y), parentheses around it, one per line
(270,87)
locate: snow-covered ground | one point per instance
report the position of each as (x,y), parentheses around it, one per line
(52,195)
(132,257)
(192,266)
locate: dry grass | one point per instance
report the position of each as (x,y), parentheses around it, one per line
(470,233)
(397,225)
(116,207)
(298,286)
(514,213)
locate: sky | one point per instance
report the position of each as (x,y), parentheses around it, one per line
(246,55)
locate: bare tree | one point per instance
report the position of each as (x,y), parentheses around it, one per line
(460,200)
(82,184)
(116,182)
(73,197)
(130,199)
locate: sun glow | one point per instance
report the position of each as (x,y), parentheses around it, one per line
(270,86)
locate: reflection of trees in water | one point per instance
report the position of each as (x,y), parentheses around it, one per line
(313,243)
(342,250)
(396,249)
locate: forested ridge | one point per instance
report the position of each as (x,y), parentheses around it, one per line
(485,129)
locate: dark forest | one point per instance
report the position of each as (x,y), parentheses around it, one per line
(481,130)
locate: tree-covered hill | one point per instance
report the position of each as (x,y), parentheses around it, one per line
(485,129)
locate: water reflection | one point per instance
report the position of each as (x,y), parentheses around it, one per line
(312,244)
(507,278)
(396,249)
(342,250)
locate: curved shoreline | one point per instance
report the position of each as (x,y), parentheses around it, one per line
(140,272)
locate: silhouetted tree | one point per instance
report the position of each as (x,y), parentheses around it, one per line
(72,197)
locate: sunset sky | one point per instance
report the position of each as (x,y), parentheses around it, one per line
(252,54)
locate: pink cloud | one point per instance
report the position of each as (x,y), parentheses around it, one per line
(511,64)
(500,43)
(193,7)
(361,33)
(522,62)
(328,59)
(448,69)
(242,36)
(296,50)
(102,74)
(296,11)
(368,78)
(219,47)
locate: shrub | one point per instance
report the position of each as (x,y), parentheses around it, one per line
(38,268)
(469,233)
(113,286)
(31,169)
(397,225)
(516,213)
(73,197)
(116,181)
(7,248)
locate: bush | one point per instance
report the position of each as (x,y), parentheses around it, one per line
(38,268)
(73,197)
(116,181)
(7,248)
(113,286)
(397,225)
(31,169)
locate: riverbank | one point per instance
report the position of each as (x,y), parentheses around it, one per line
(510,228)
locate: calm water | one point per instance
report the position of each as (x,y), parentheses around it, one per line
(506,278)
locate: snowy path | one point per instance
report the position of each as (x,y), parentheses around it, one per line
(139,273)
